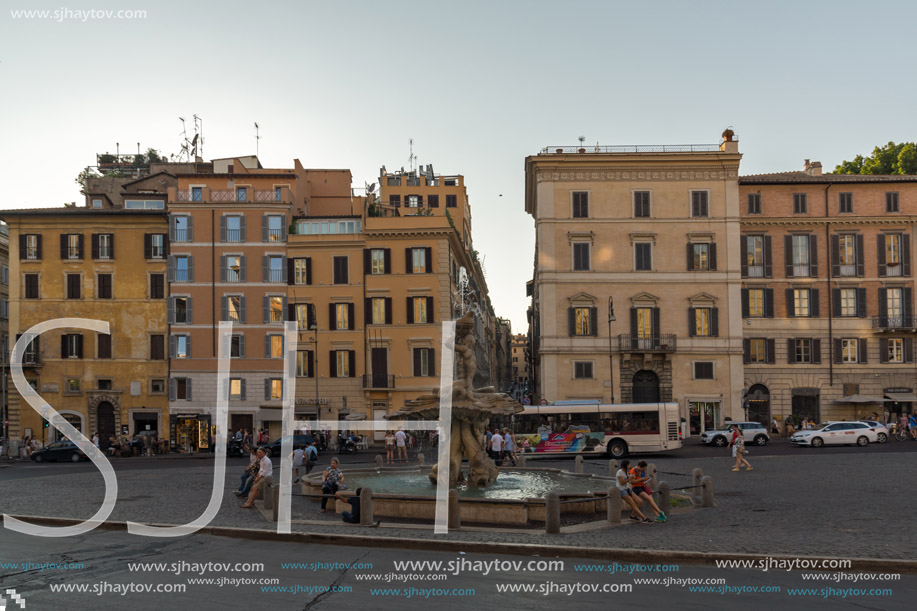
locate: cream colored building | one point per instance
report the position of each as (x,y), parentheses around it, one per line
(653,232)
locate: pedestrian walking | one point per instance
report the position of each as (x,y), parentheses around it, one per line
(389,446)
(509,446)
(738,449)
(332,478)
(298,456)
(311,457)
(496,446)
(400,439)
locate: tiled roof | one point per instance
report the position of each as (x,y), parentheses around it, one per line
(79,211)
(803,178)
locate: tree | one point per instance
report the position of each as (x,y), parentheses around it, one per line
(889,159)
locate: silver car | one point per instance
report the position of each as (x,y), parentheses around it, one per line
(753,432)
(881,430)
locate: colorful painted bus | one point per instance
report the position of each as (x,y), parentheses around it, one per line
(591,428)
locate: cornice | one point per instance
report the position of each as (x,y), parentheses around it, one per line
(630,174)
(821,221)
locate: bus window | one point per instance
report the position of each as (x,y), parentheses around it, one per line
(630,422)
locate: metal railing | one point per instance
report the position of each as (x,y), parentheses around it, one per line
(892,322)
(656,343)
(375,380)
(635,148)
(233,235)
(755,271)
(180,235)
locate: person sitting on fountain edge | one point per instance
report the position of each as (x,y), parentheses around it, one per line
(352,516)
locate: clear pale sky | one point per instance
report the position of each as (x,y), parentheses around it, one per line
(478,85)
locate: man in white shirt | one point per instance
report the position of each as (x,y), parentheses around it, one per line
(399,443)
(265,469)
(496,445)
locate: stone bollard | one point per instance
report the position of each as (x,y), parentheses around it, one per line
(665,497)
(275,504)
(267,492)
(579,464)
(521,460)
(707,499)
(614,506)
(653,475)
(612,467)
(697,475)
(366,507)
(420,459)
(379,461)
(455,518)
(552,513)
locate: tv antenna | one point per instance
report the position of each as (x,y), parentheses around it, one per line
(411,157)
(185,152)
(199,134)
(257,138)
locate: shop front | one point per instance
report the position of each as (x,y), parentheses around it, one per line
(190,432)
(899,401)
(702,416)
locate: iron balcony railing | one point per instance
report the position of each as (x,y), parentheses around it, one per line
(375,380)
(280,194)
(893,322)
(635,148)
(656,343)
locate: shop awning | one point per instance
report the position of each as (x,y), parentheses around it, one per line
(859,399)
(355,417)
(902,397)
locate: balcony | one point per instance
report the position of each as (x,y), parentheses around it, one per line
(378,381)
(891,323)
(279,195)
(756,271)
(657,343)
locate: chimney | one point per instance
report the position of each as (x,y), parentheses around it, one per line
(812,168)
(730,143)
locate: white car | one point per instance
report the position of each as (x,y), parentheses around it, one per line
(881,430)
(753,432)
(837,433)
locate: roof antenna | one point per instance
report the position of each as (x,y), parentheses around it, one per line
(199,124)
(257,138)
(411,157)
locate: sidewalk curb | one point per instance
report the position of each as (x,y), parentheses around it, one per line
(639,556)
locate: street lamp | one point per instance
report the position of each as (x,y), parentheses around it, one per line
(611,361)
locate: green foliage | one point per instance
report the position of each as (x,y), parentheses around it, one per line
(83,176)
(449,218)
(153,156)
(889,159)
(373,210)
(106,158)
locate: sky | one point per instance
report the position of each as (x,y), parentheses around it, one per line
(477,85)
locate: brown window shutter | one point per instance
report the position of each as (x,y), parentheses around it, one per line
(408,261)
(746,350)
(905,254)
(431,359)
(712,256)
(352,357)
(332,319)
(309,270)
(743,255)
(148,246)
(79,345)
(861,268)
(291,273)
(94,245)
(862,355)
(715,322)
(816,351)
(333,364)
(39,246)
(388,260)
(430,317)
(63,346)
(692,322)
(771,351)
(428,260)
(388,310)
(367,261)
(883,350)
(790,351)
(813,255)
(416,362)
(791,304)
(838,351)
(768,271)
(368,311)
(835,256)
(22,248)
(690,257)
(788,251)
(410,310)
(351,323)
(63,246)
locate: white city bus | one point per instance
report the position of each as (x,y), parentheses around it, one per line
(591,428)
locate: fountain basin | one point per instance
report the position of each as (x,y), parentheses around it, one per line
(515,499)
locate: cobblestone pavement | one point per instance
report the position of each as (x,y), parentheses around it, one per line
(809,504)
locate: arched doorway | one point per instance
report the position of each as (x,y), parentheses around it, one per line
(105,417)
(759,405)
(646,387)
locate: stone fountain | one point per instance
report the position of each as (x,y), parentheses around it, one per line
(472,410)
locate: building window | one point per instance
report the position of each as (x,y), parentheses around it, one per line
(896,350)
(377,261)
(304,364)
(274,268)
(181,228)
(72,246)
(701,257)
(378,311)
(433,201)
(643,256)
(342,363)
(154,245)
(274,228)
(581,256)
(700,207)
(241,194)
(799,203)
(72,346)
(849,352)
(799,255)
(893,251)
(157,347)
(894,308)
(755,255)
(757,350)
(580,204)
(182,268)
(157,286)
(703,370)
(31,286)
(273,389)
(341,316)
(237,346)
(181,311)
(103,282)
(72,386)
(423,362)
(846,202)
(103,346)
(237,388)
(412,201)
(305,317)
(847,254)
(104,246)
(891,202)
(278,194)
(157,386)
(641,204)
(181,346)
(754,203)
(340,270)
(802,303)
(704,322)
(582,370)
(451,201)
(233,308)
(418,260)
(848,302)
(421,315)
(32,246)
(197,194)
(274,345)
(302,271)
(73,286)
(756,307)
(4,274)
(275,308)
(4,313)
(232,228)
(182,388)
(97,203)
(582,322)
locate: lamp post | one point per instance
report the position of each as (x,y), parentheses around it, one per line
(318,413)
(611,360)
